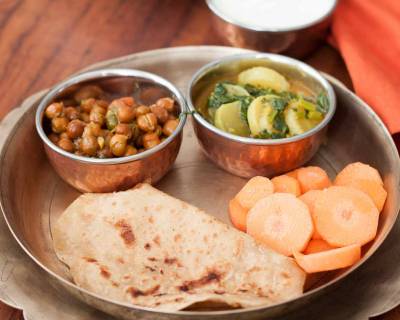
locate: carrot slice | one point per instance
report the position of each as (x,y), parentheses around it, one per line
(317,245)
(312,178)
(365,178)
(286,184)
(255,189)
(281,222)
(344,216)
(292,173)
(309,198)
(329,260)
(238,215)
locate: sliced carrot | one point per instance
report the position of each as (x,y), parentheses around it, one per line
(292,173)
(309,198)
(238,215)
(281,222)
(286,184)
(364,178)
(255,189)
(317,245)
(312,178)
(329,260)
(344,216)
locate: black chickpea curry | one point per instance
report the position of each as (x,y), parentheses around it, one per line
(90,125)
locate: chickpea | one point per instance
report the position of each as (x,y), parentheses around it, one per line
(84,117)
(87,105)
(147,122)
(86,92)
(104,153)
(71,113)
(118,144)
(125,113)
(98,108)
(166,103)
(103,104)
(130,151)
(54,138)
(150,140)
(160,112)
(141,110)
(66,145)
(96,116)
(129,101)
(170,126)
(171,117)
(59,124)
(89,145)
(124,129)
(111,119)
(54,110)
(93,129)
(77,144)
(64,135)
(75,129)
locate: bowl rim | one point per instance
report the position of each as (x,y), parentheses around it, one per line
(226,18)
(103,74)
(301,66)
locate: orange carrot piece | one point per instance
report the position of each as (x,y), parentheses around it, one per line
(329,260)
(344,216)
(281,222)
(313,178)
(286,184)
(238,215)
(255,189)
(364,178)
(292,173)
(309,198)
(317,245)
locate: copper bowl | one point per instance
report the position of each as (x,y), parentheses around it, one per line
(248,157)
(107,175)
(294,41)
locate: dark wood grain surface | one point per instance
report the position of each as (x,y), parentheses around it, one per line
(44,41)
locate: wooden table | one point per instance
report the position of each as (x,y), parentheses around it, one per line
(44,41)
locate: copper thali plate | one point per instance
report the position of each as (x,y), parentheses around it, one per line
(33,196)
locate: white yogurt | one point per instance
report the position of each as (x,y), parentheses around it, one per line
(272,14)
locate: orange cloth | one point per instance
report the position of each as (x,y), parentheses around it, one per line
(367,33)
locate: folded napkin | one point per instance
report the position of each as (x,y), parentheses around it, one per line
(367,33)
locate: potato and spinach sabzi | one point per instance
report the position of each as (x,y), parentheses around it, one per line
(90,125)
(262,104)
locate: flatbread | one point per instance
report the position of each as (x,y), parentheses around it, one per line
(144,247)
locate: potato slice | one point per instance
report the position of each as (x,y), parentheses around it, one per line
(258,116)
(264,77)
(228,118)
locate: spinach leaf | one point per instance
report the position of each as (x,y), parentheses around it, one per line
(245,102)
(278,104)
(263,135)
(322,103)
(256,92)
(280,125)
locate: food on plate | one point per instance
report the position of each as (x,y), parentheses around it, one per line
(309,198)
(281,222)
(255,189)
(329,259)
(312,178)
(93,125)
(286,184)
(364,178)
(325,226)
(238,214)
(261,103)
(344,216)
(144,247)
(317,245)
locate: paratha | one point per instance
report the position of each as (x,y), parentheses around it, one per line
(147,248)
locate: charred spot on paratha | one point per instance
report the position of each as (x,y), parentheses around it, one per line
(210,277)
(125,231)
(135,292)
